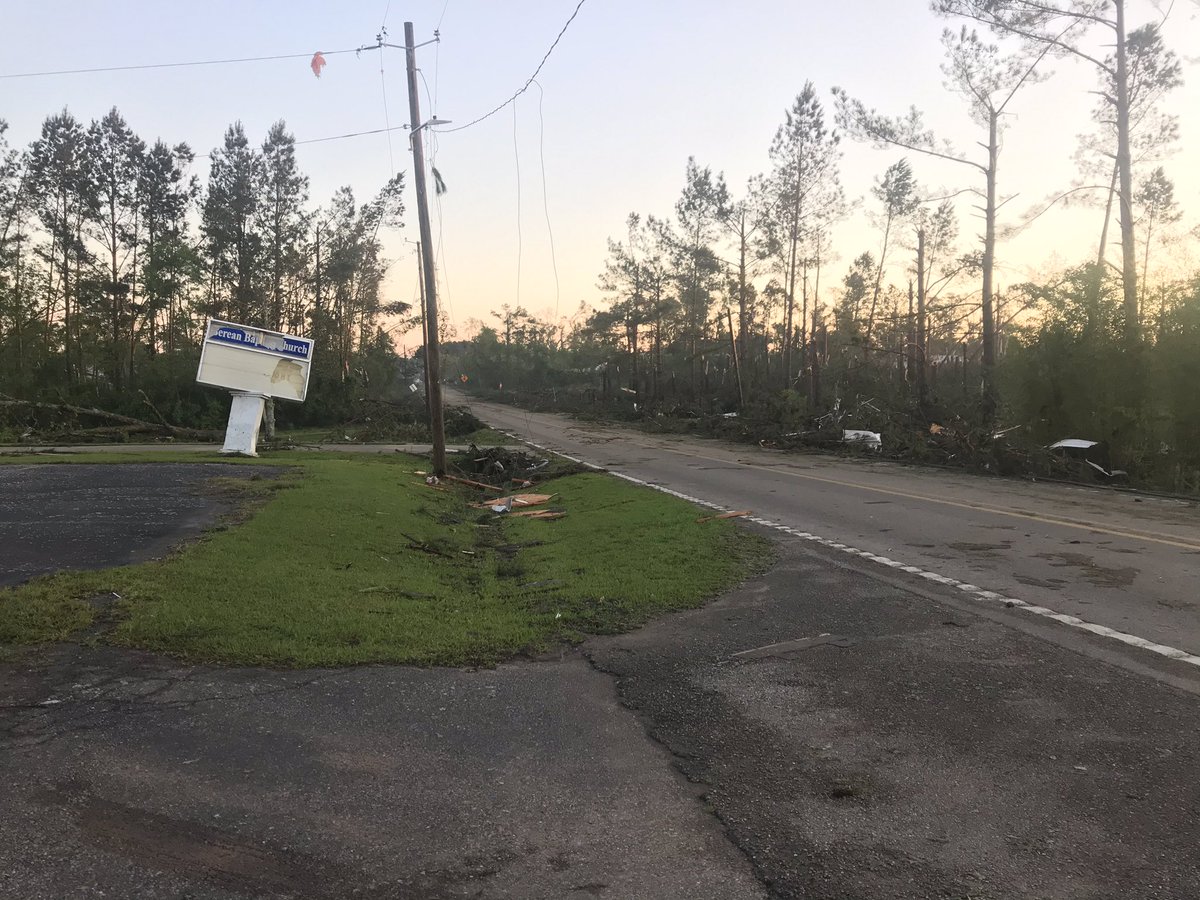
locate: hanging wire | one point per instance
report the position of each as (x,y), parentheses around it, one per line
(545,199)
(430,100)
(333,137)
(383,85)
(525,86)
(175,65)
(386,118)
(517,158)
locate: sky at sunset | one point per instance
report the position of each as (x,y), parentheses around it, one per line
(631,91)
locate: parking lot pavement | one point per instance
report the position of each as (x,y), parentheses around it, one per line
(87,516)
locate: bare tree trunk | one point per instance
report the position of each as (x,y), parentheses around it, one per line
(794,234)
(743,324)
(922,335)
(65,281)
(887,228)
(1125,165)
(1145,267)
(737,365)
(910,340)
(804,315)
(1102,252)
(814,386)
(989,260)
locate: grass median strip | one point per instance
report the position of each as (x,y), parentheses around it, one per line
(356,560)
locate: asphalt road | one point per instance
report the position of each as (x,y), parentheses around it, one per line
(55,517)
(864,740)
(834,728)
(817,733)
(1115,560)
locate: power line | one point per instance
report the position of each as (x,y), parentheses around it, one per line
(545,199)
(338,137)
(517,158)
(428,94)
(383,86)
(437,194)
(175,65)
(333,137)
(433,149)
(386,118)
(525,86)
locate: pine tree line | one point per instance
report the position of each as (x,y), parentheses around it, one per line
(113,255)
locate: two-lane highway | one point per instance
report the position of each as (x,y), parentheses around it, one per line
(1115,560)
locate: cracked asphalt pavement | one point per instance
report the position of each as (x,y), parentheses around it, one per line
(127,776)
(826,730)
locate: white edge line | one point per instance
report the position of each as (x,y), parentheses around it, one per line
(974,591)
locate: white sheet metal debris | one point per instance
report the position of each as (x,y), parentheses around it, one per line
(872,440)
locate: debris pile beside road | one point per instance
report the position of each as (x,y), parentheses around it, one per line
(498,465)
(495,469)
(383,421)
(501,466)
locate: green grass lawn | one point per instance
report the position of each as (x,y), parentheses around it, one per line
(355,560)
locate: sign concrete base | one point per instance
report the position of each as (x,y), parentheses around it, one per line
(245,416)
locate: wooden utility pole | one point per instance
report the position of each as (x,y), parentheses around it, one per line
(432,354)
(424,319)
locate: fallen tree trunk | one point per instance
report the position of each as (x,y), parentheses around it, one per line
(130,424)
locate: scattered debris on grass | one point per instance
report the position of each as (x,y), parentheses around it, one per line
(470,483)
(734,514)
(424,546)
(507,503)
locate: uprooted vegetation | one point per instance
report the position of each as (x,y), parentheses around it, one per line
(372,420)
(367,420)
(936,437)
(26,421)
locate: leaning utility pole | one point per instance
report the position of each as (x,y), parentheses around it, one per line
(432,354)
(424,320)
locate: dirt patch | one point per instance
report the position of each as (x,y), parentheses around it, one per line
(1052,584)
(981,549)
(190,849)
(1101,576)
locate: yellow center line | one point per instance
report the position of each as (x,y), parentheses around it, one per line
(1152,536)
(1080,525)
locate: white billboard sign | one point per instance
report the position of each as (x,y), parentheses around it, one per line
(255,360)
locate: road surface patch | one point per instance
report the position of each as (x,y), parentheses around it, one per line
(973,591)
